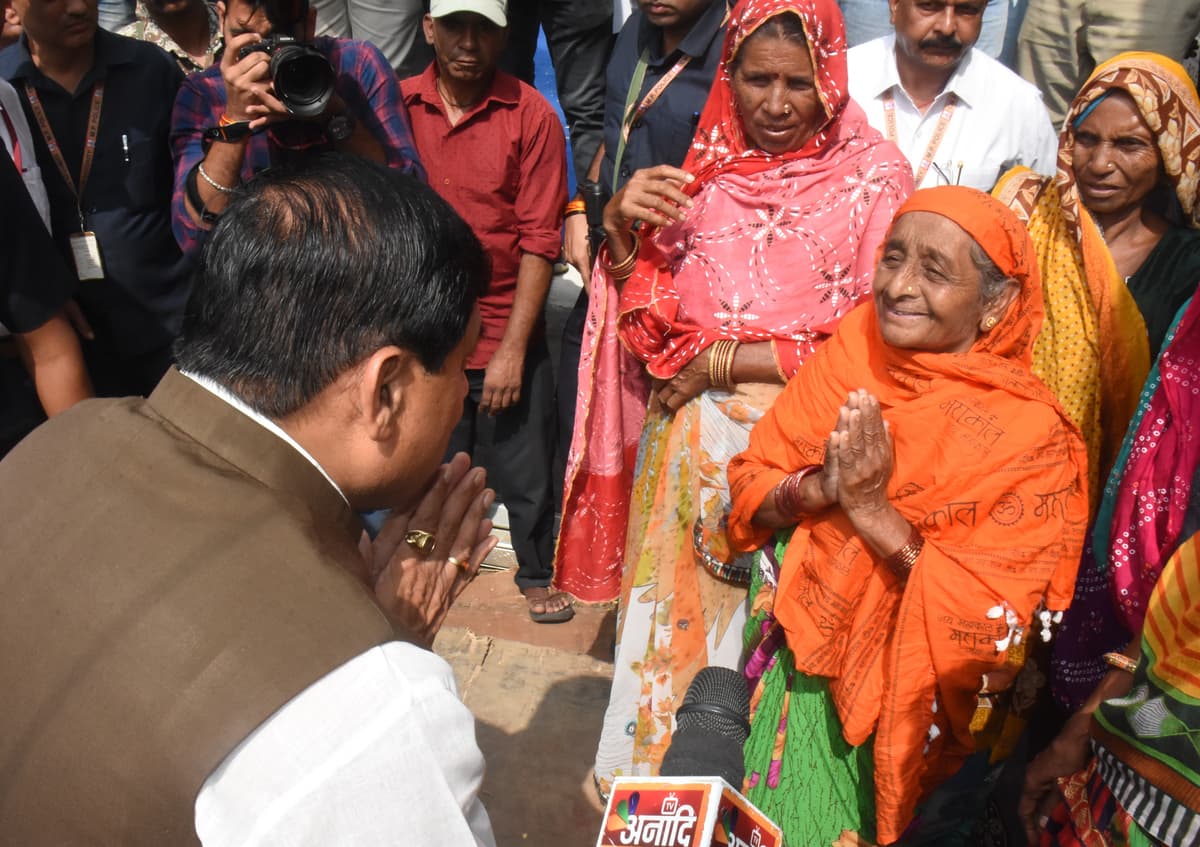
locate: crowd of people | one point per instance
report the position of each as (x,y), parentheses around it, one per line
(878,391)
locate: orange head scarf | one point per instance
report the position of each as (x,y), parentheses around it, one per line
(986,467)
(1004,238)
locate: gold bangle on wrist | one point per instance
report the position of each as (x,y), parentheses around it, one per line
(1121,662)
(623,269)
(574,207)
(902,561)
(720,364)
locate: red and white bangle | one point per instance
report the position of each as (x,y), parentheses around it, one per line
(789,500)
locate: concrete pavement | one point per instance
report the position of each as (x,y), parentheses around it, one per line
(538,693)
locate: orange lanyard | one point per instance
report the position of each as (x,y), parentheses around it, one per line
(634,114)
(889,121)
(89,147)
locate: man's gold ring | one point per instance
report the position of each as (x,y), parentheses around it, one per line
(458,563)
(420,540)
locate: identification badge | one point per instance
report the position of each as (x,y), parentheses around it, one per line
(85,249)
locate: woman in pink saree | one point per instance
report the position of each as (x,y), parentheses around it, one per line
(746,259)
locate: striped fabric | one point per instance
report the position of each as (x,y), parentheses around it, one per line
(1148,742)
(1157,813)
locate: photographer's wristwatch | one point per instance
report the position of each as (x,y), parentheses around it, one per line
(340,127)
(228,132)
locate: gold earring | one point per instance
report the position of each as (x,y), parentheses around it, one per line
(989,323)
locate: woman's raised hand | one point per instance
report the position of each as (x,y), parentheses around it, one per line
(652,195)
(863,451)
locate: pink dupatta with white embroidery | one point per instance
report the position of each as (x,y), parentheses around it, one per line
(776,248)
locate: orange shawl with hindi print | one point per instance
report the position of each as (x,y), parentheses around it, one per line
(986,466)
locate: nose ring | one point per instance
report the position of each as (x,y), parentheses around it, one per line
(909,290)
(787,110)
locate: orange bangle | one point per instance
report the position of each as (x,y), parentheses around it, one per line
(1121,662)
(228,121)
(576,205)
(902,561)
(623,269)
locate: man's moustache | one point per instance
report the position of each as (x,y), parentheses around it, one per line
(940,44)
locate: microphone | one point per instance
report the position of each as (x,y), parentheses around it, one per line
(695,801)
(711,727)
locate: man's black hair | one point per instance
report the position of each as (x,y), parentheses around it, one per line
(309,272)
(285,16)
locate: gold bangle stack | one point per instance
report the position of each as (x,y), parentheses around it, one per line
(623,269)
(720,364)
(1121,662)
(902,561)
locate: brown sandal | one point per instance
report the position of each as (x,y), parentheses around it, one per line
(542,595)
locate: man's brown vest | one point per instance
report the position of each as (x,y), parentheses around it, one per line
(171,574)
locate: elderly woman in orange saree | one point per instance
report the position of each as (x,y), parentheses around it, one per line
(749,256)
(938,497)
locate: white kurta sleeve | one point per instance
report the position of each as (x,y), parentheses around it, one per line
(380,751)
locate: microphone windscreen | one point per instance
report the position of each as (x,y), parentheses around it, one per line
(700,753)
(717,702)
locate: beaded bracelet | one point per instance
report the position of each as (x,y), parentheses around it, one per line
(623,269)
(902,561)
(720,364)
(1121,662)
(224,189)
(789,500)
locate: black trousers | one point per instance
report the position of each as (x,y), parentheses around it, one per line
(579,35)
(517,449)
(568,387)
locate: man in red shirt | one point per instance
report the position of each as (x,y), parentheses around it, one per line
(494,148)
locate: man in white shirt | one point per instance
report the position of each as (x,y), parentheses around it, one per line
(960,117)
(201,648)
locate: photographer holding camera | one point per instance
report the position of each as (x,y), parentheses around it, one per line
(278,95)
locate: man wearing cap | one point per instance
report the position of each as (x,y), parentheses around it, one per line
(494,148)
(233,120)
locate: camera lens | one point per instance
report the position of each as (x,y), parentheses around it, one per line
(303,79)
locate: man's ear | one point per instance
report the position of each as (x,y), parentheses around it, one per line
(221,10)
(427,26)
(385,378)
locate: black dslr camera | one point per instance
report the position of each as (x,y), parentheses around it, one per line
(302,77)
